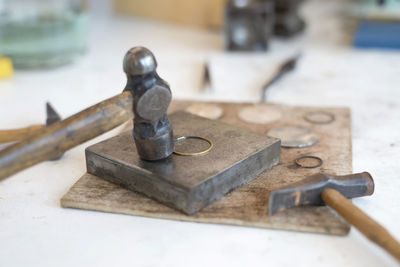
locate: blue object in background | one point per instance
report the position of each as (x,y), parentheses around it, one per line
(377,34)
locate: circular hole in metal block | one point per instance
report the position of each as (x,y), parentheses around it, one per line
(209,111)
(309,162)
(319,117)
(192,146)
(260,114)
(294,136)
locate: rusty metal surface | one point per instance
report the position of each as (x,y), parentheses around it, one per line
(187,183)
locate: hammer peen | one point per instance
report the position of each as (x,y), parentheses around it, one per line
(321,188)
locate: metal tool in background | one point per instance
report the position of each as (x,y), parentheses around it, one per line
(248,25)
(206,75)
(13,135)
(321,188)
(286,67)
(287,21)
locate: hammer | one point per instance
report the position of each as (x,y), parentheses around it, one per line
(52,141)
(321,188)
(12,135)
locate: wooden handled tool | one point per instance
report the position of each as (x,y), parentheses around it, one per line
(333,190)
(13,135)
(57,138)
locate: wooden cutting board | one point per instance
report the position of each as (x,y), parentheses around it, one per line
(247,205)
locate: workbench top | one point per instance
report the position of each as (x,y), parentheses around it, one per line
(36,231)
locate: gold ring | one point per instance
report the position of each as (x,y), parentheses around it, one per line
(182,138)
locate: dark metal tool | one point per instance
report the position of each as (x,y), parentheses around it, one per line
(152,130)
(287,20)
(333,190)
(12,135)
(248,24)
(286,67)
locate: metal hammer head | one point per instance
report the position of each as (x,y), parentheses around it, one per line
(139,61)
(308,191)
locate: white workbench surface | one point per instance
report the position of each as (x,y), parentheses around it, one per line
(36,231)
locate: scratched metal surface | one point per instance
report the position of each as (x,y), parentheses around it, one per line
(246,206)
(187,183)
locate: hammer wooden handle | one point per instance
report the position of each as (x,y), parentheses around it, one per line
(13,135)
(365,224)
(57,138)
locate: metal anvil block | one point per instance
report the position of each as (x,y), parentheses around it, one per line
(187,183)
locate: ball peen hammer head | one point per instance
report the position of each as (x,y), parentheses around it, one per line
(139,61)
(152,131)
(308,191)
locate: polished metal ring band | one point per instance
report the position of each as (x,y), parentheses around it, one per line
(309,166)
(182,138)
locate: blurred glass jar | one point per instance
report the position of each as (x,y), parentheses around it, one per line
(42,33)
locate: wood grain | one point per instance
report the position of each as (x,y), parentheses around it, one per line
(365,224)
(12,135)
(246,206)
(57,138)
(205,13)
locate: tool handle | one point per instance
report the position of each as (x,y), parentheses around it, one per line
(365,224)
(7,136)
(57,138)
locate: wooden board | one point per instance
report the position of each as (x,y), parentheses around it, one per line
(204,13)
(246,206)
